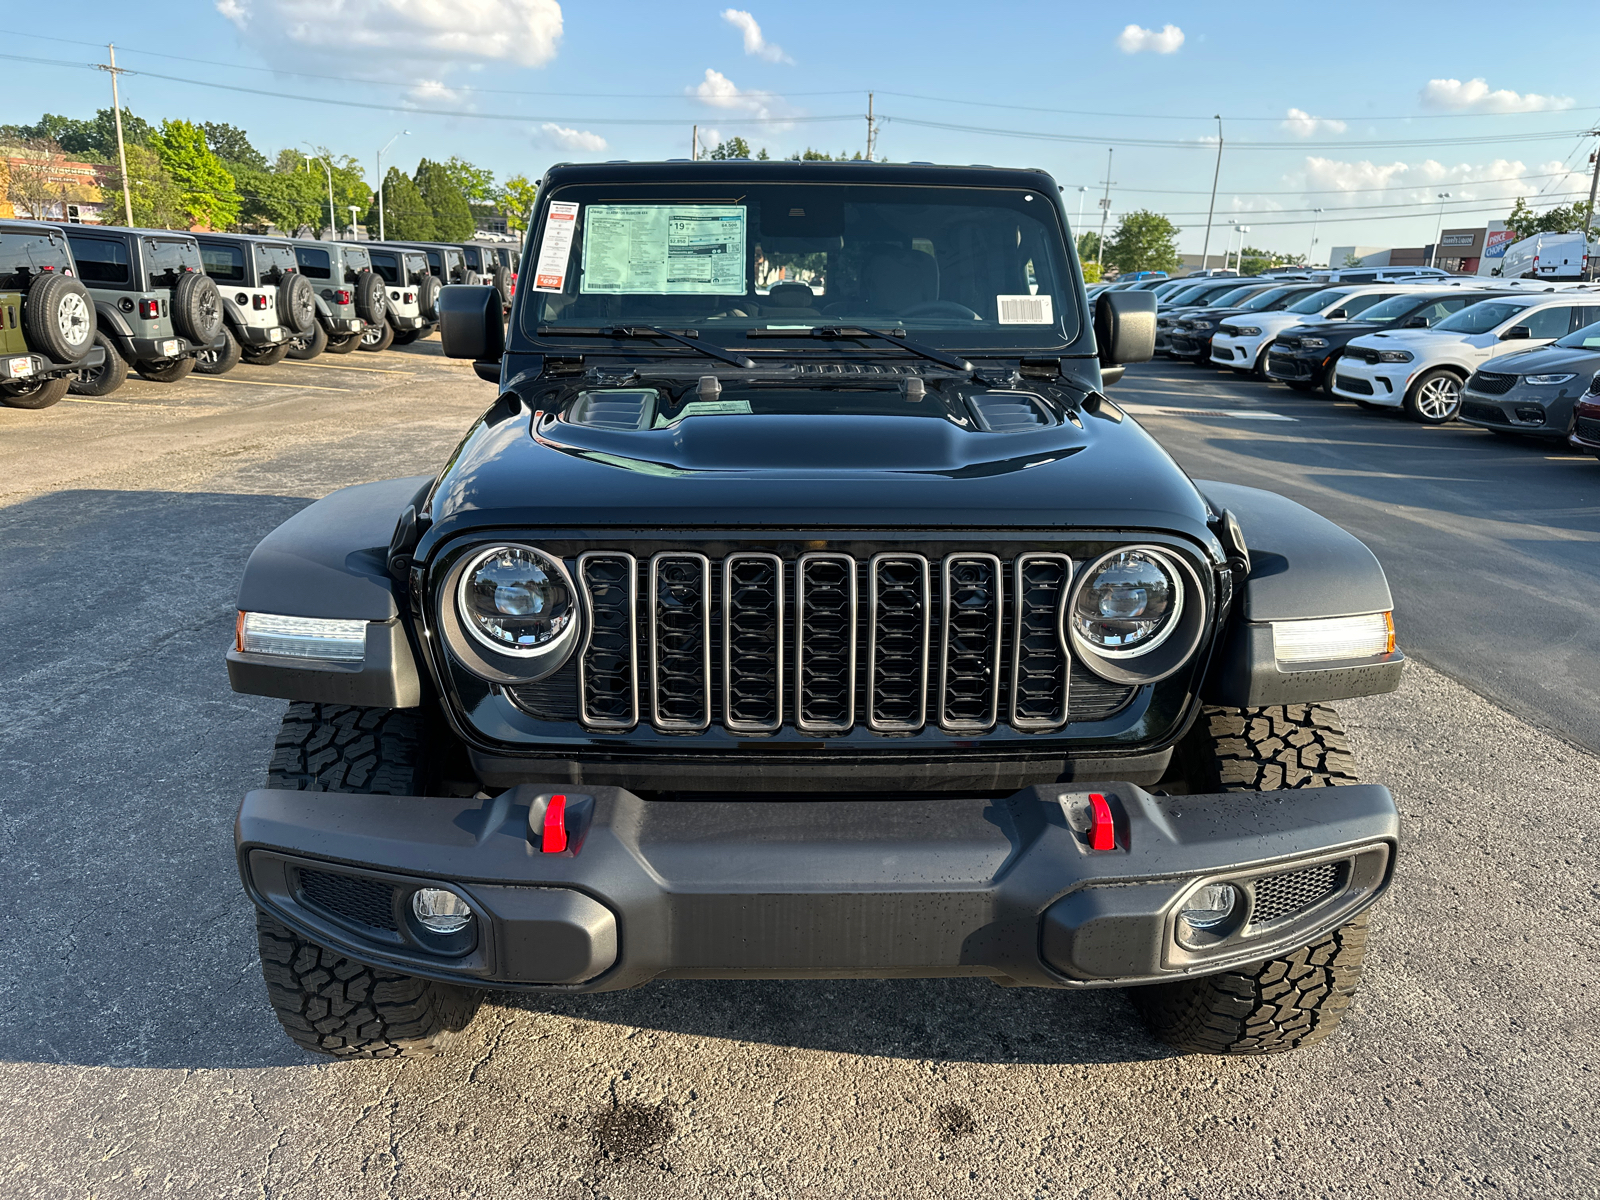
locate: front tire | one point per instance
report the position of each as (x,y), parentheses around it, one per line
(1435,399)
(1298,998)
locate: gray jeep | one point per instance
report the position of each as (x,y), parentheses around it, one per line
(47,324)
(413,295)
(350,297)
(266,302)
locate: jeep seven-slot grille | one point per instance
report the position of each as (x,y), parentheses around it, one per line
(823,643)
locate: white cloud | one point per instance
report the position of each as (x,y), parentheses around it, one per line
(572,139)
(1165,40)
(1303,124)
(1475,96)
(718,91)
(1340,184)
(754,42)
(523,32)
(433,91)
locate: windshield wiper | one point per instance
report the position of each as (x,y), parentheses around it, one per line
(861,333)
(650,331)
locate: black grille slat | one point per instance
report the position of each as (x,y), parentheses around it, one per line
(1490,383)
(825,643)
(1281,896)
(970,642)
(901,614)
(608,665)
(1349,383)
(1040,672)
(368,902)
(1589,429)
(680,642)
(752,642)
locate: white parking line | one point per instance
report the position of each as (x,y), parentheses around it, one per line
(305,387)
(1236,414)
(337,367)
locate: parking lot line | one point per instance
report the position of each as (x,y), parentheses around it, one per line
(305,387)
(117,403)
(337,367)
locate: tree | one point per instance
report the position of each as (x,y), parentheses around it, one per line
(810,155)
(95,139)
(476,183)
(518,197)
(286,200)
(232,145)
(734,147)
(1091,271)
(1144,241)
(406,216)
(157,202)
(1352,259)
(452,217)
(1089,247)
(1524,222)
(38,180)
(209,197)
(1253,261)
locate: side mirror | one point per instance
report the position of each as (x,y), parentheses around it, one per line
(1125,327)
(471,323)
(1339,314)
(1515,333)
(1417,323)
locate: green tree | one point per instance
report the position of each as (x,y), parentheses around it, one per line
(94,139)
(518,197)
(1352,259)
(1089,247)
(406,216)
(285,200)
(1144,241)
(232,145)
(734,147)
(1524,222)
(1253,261)
(206,187)
(1091,271)
(476,183)
(452,216)
(810,155)
(157,199)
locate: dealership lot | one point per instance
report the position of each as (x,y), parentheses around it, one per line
(140,1056)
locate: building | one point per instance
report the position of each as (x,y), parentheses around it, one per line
(38,185)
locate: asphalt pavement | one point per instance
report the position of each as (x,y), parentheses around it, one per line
(138,1055)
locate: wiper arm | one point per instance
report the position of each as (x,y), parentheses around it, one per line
(650,331)
(861,333)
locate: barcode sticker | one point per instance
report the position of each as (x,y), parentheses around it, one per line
(1025,310)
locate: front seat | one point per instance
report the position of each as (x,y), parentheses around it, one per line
(789,299)
(897,279)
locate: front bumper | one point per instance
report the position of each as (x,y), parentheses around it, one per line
(1008,888)
(1586,426)
(1537,411)
(1294,366)
(1186,343)
(1229,350)
(1383,384)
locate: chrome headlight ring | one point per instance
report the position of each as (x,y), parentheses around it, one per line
(490,658)
(1169,649)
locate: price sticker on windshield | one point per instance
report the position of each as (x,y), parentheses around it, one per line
(555,250)
(1025,310)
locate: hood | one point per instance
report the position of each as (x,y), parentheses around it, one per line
(811,471)
(1547,360)
(1397,339)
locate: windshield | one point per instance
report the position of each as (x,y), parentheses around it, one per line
(1481,318)
(1586,338)
(955,266)
(1318,301)
(1395,307)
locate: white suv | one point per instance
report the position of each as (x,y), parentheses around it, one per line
(1241,340)
(1423,370)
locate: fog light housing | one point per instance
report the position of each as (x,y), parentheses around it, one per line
(1530,414)
(1333,639)
(440,911)
(1210,906)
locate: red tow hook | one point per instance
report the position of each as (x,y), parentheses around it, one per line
(554,840)
(1102,829)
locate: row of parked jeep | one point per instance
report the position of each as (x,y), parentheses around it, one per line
(82,305)
(1512,356)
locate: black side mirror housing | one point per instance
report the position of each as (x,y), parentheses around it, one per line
(1516,333)
(1338,314)
(471,323)
(1125,327)
(1417,323)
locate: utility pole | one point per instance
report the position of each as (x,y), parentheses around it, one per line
(1311,251)
(333,213)
(1588,217)
(694,145)
(122,154)
(354,209)
(872,128)
(1077,241)
(1105,212)
(1205,249)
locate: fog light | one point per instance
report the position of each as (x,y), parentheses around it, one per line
(1529,414)
(1333,639)
(1207,908)
(441,911)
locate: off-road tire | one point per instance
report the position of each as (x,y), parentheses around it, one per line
(344,748)
(333,1005)
(347,343)
(1427,399)
(104,379)
(428,297)
(37,393)
(1299,998)
(310,345)
(265,356)
(208,361)
(58,318)
(379,338)
(502,283)
(166,370)
(372,297)
(297,304)
(197,308)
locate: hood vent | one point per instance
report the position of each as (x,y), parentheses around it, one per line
(850,368)
(619,408)
(1010,412)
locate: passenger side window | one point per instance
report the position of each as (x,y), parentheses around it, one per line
(1359,304)
(100,260)
(1584,315)
(1552,322)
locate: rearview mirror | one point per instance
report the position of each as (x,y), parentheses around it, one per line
(471,324)
(1125,327)
(1516,332)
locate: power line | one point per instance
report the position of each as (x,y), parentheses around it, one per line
(1430,204)
(1392,187)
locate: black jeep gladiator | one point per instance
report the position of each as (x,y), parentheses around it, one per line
(801,607)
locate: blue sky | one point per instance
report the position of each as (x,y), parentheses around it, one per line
(1366,111)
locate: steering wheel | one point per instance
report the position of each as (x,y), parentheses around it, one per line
(941,308)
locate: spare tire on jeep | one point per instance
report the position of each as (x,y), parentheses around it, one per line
(297,304)
(371,299)
(59,318)
(428,297)
(197,308)
(502,282)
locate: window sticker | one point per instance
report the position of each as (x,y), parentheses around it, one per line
(1026,310)
(550,275)
(664,249)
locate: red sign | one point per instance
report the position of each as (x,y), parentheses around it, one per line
(1494,246)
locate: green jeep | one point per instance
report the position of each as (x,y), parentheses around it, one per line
(47,320)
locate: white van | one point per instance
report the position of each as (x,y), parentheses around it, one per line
(1547,256)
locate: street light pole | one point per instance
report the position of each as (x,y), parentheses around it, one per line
(1311,251)
(1105,212)
(1434,261)
(1205,249)
(333,213)
(381,153)
(1078,241)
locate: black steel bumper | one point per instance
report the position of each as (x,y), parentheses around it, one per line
(159,349)
(28,367)
(1007,888)
(406,323)
(258,335)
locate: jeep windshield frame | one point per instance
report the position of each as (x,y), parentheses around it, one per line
(932,261)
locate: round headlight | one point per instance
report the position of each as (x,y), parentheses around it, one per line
(1128,605)
(517,601)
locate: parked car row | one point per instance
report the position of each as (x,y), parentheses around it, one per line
(82,305)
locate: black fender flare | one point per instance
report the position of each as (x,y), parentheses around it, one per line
(331,560)
(115,326)
(1302,567)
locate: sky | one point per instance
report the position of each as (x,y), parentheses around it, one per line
(1369,112)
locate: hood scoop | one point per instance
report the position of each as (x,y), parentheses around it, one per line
(1010,412)
(615,408)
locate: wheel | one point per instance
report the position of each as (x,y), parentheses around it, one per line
(35,393)
(379,337)
(219,362)
(346,343)
(1435,398)
(428,297)
(309,345)
(328,1003)
(409,336)
(502,282)
(197,308)
(265,356)
(1287,1002)
(372,300)
(166,371)
(104,379)
(59,318)
(297,304)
